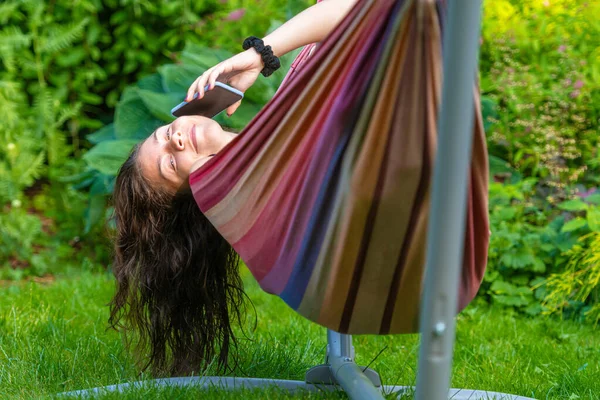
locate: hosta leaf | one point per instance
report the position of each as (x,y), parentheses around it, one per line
(133,120)
(178,78)
(94,212)
(160,104)
(88,173)
(151,82)
(261,92)
(240,118)
(105,133)
(102,185)
(85,182)
(205,57)
(107,157)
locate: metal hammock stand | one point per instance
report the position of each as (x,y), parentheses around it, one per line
(444,254)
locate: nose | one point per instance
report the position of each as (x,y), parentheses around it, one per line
(177,141)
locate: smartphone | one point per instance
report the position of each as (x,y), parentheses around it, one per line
(214,101)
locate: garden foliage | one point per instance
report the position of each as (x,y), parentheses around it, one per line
(81,82)
(540,67)
(63,68)
(540,63)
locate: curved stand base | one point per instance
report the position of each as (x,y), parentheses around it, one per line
(339,372)
(231,383)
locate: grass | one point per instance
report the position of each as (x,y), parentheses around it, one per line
(53,338)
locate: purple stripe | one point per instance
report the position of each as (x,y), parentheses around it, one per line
(345,111)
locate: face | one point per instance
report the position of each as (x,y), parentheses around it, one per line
(173,151)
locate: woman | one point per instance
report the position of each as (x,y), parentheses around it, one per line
(178,285)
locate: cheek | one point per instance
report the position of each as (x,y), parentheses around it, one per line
(184,165)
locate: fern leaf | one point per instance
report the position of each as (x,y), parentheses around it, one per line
(44,109)
(62,38)
(66,114)
(7,187)
(9,9)
(11,88)
(35,11)
(28,170)
(56,146)
(11,99)
(12,39)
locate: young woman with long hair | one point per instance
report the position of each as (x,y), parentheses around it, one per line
(179,290)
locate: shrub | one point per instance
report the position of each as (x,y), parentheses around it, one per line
(524,248)
(576,289)
(540,63)
(63,66)
(540,73)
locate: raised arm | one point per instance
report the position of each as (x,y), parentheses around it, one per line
(310,26)
(240,71)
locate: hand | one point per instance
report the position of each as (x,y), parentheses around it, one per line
(239,71)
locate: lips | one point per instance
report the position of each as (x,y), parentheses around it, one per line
(193,137)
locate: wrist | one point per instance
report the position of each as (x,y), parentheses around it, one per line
(271,62)
(254,58)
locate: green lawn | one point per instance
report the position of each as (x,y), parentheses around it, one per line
(53,338)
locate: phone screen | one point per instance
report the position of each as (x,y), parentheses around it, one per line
(213,102)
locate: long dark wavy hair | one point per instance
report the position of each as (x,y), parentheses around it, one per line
(178,285)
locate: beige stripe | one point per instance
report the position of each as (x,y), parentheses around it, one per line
(316,290)
(401,181)
(406,309)
(345,245)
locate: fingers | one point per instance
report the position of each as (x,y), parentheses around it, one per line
(231,109)
(199,85)
(209,77)
(192,90)
(212,77)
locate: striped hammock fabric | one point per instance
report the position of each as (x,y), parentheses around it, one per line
(325,194)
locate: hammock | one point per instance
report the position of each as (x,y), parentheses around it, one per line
(325,194)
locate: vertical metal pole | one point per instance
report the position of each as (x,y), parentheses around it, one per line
(340,344)
(448,205)
(345,371)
